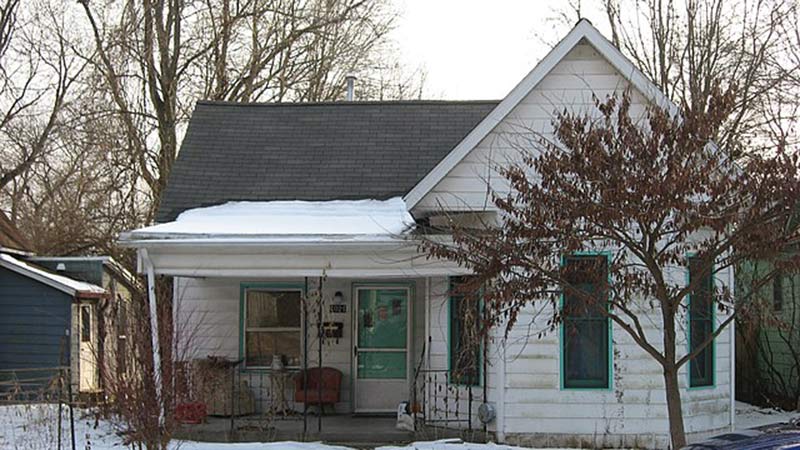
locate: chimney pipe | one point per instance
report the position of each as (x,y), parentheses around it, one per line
(351,81)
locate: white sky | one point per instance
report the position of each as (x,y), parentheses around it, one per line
(478,49)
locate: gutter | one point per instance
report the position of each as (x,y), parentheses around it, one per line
(216,241)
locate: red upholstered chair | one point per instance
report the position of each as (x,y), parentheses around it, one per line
(326,378)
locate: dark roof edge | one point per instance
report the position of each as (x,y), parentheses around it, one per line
(354,103)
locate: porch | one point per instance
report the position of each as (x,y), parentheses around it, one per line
(344,290)
(385,338)
(341,429)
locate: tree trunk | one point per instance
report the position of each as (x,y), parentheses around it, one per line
(671,385)
(674,408)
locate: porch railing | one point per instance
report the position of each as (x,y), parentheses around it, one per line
(440,403)
(260,397)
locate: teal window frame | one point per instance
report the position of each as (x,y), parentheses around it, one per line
(565,383)
(453,330)
(709,381)
(269,286)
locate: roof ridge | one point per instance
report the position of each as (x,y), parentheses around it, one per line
(346,103)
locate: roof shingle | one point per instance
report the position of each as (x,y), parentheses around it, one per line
(312,151)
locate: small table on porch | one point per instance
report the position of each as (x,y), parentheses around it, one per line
(277,382)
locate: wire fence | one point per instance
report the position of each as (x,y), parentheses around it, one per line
(38,403)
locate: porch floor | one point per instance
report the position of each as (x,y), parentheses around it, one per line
(342,429)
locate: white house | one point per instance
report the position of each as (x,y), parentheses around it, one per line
(269,202)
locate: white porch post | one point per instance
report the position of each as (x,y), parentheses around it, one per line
(151,296)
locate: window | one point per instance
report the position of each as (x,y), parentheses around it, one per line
(465,347)
(701,323)
(86,323)
(585,328)
(777,292)
(272,327)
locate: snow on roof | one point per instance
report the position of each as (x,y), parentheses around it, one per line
(60,282)
(343,219)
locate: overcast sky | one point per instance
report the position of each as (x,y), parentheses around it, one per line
(477,49)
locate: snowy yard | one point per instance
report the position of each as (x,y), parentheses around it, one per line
(35,427)
(749,416)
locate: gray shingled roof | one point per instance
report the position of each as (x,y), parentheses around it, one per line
(313,151)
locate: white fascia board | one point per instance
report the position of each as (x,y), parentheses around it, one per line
(59,282)
(583,30)
(222,241)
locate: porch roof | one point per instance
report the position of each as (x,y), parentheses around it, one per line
(364,238)
(283,222)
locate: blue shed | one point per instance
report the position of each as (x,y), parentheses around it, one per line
(36,319)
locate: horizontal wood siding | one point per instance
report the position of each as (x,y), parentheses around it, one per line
(453,410)
(635,407)
(572,85)
(208,318)
(34,323)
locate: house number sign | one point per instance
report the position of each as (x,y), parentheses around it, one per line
(339,308)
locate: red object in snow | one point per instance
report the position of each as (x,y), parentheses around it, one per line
(191,413)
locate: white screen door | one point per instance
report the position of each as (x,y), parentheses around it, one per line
(382,348)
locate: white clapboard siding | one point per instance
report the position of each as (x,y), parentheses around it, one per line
(634,410)
(436,407)
(572,85)
(207,314)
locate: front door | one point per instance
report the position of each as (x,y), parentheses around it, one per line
(382,348)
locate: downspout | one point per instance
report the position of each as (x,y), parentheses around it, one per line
(501,393)
(151,296)
(732,354)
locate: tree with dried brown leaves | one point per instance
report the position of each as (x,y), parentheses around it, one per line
(657,197)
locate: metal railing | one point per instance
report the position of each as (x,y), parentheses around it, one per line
(441,403)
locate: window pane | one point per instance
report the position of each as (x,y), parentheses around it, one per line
(271,309)
(585,327)
(383,317)
(702,365)
(701,323)
(464,339)
(586,353)
(382,365)
(263,345)
(777,292)
(86,323)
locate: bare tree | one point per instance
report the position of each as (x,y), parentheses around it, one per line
(647,194)
(687,47)
(38,69)
(157,58)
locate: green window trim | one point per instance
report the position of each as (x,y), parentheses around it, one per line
(565,383)
(266,286)
(452,331)
(709,380)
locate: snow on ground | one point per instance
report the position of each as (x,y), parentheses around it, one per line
(749,416)
(288,218)
(454,444)
(287,445)
(35,427)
